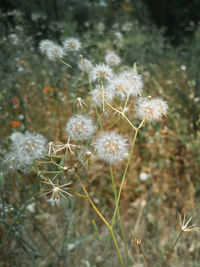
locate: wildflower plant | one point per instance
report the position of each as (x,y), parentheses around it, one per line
(92,134)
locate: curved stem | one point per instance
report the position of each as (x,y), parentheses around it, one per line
(122,115)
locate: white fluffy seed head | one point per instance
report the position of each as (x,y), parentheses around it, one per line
(120,86)
(135,82)
(112,59)
(98,93)
(101,71)
(25,149)
(54,52)
(16,136)
(30,147)
(45,45)
(80,127)
(71,44)
(162,105)
(85,64)
(151,109)
(111,147)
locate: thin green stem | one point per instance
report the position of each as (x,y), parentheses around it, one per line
(102,87)
(21,211)
(123,115)
(103,219)
(65,63)
(47,241)
(127,98)
(118,212)
(98,118)
(125,171)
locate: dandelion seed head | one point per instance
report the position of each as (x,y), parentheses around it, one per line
(30,147)
(111,147)
(98,93)
(85,64)
(45,45)
(71,44)
(112,59)
(25,149)
(135,82)
(12,162)
(162,105)
(16,136)
(101,71)
(120,86)
(150,109)
(54,52)
(80,127)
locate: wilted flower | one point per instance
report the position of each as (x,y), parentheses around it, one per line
(112,59)
(56,191)
(80,128)
(85,64)
(85,157)
(97,95)
(80,102)
(151,109)
(111,147)
(101,71)
(71,44)
(184,225)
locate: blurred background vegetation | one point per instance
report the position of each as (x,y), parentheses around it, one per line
(163,38)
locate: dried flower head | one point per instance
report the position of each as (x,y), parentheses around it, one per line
(184,225)
(71,44)
(55,148)
(101,71)
(111,147)
(150,109)
(86,157)
(56,192)
(112,59)
(97,95)
(80,102)
(80,127)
